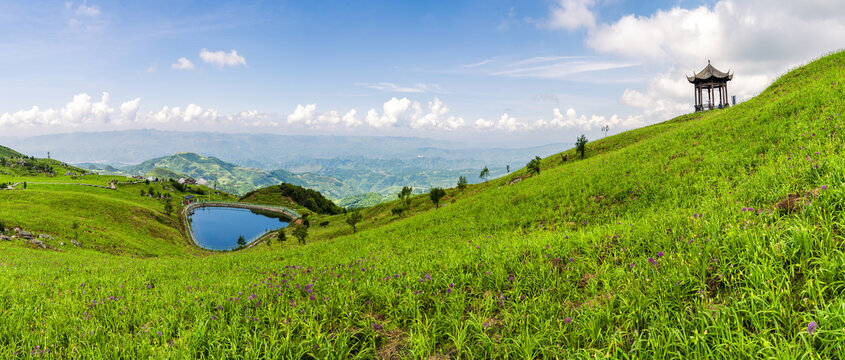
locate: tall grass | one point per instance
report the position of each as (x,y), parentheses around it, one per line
(665,242)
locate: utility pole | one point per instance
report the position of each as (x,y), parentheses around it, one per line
(48,155)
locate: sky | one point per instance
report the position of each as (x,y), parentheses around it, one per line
(504,72)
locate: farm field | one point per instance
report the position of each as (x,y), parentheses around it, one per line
(711,235)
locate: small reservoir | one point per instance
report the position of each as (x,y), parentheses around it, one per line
(218,228)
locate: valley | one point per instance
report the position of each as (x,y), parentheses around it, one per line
(714,234)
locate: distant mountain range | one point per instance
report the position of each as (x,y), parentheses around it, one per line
(351,170)
(268,151)
(350,183)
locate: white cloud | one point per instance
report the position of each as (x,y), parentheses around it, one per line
(84,113)
(85,10)
(506,123)
(222,58)
(350,120)
(330,117)
(547,67)
(563,69)
(303,114)
(129,109)
(182,64)
(432,119)
(570,119)
(573,14)
(757,40)
(394,109)
(391,87)
(372,117)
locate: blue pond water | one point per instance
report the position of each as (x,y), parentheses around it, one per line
(218,228)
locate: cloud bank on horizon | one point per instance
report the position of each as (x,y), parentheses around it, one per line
(634,64)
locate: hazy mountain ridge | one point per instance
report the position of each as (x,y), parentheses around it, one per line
(264,151)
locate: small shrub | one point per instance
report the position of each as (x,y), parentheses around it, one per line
(581,145)
(353,219)
(301,233)
(462,183)
(533,166)
(485,173)
(435,195)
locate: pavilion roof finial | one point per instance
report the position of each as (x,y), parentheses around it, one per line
(709,72)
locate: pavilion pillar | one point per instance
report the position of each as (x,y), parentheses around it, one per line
(721,97)
(710,96)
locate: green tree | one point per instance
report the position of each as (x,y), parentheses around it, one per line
(24,185)
(436,194)
(462,183)
(353,219)
(398,209)
(534,166)
(281,236)
(301,233)
(168,208)
(241,241)
(405,194)
(142,192)
(581,145)
(485,173)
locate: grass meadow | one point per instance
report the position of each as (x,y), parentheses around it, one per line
(676,240)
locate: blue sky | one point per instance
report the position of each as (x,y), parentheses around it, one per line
(509,71)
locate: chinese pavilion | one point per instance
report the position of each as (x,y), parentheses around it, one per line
(710,79)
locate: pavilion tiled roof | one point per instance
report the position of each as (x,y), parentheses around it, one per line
(709,73)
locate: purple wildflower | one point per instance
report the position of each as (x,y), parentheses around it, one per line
(659,253)
(651,260)
(567,320)
(811,327)
(428,276)
(824,187)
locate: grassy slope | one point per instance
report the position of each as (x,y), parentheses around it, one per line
(233,178)
(6,152)
(521,260)
(117,222)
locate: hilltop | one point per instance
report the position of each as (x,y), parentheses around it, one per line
(230,177)
(295,197)
(6,152)
(356,182)
(711,235)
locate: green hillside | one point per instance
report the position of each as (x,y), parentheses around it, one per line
(293,196)
(9,153)
(711,235)
(162,173)
(232,178)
